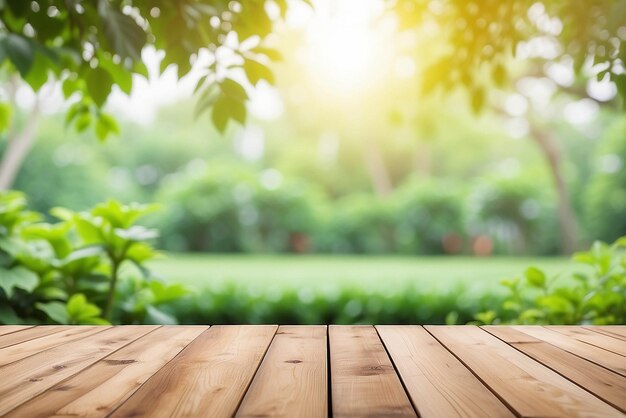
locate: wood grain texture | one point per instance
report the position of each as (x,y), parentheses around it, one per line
(108,383)
(618,331)
(13,338)
(363,380)
(24,379)
(603,383)
(28,348)
(610,343)
(8,329)
(439,385)
(604,358)
(528,387)
(292,379)
(208,378)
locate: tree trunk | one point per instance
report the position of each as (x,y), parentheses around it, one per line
(565,211)
(19,142)
(377,169)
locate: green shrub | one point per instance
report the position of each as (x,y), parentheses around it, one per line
(204,207)
(596,297)
(517,213)
(228,207)
(431,218)
(358,224)
(68,271)
(238,303)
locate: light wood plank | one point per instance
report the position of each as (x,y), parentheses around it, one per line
(528,387)
(606,342)
(9,329)
(592,353)
(28,348)
(292,380)
(605,384)
(208,378)
(27,378)
(610,330)
(8,340)
(363,380)
(101,388)
(439,385)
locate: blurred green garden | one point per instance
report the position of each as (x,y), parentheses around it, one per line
(313,163)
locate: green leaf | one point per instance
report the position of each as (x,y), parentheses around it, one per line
(255,71)
(233,89)
(8,316)
(6,115)
(157,316)
(499,74)
(70,86)
(206,100)
(535,277)
(620,83)
(105,125)
(83,121)
(55,311)
(17,277)
(220,114)
(20,51)
(124,35)
(531,315)
(87,231)
(99,83)
(38,74)
(81,311)
(166,293)
(555,304)
(477,99)
(136,233)
(452,318)
(486,317)
(271,53)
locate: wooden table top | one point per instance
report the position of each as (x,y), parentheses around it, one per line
(313,371)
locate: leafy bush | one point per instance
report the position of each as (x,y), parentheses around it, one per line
(431,218)
(358,224)
(517,213)
(235,304)
(204,207)
(68,271)
(228,207)
(595,297)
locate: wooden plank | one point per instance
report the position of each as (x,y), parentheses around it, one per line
(363,380)
(8,329)
(439,385)
(27,378)
(603,383)
(606,342)
(101,388)
(617,331)
(528,387)
(28,348)
(208,378)
(292,379)
(598,355)
(29,334)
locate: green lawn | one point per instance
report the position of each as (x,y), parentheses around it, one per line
(379,272)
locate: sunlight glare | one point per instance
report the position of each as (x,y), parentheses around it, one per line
(345,46)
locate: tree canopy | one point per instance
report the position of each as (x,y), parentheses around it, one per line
(482,36)
(93,45)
